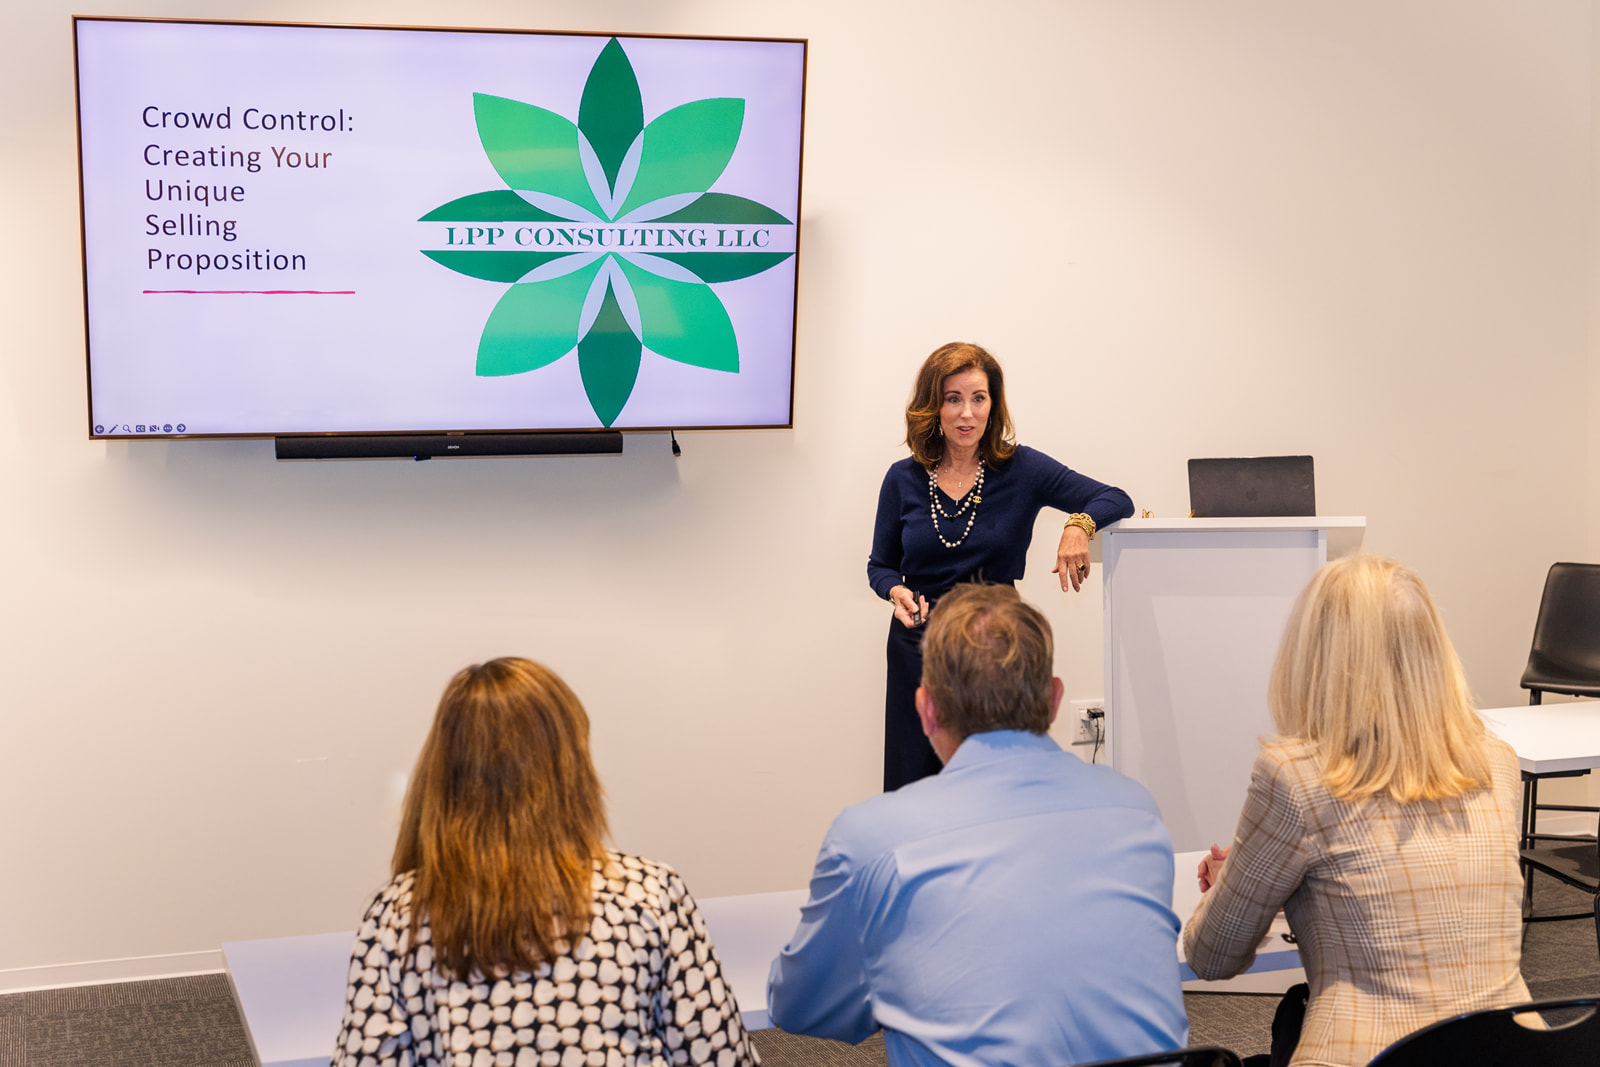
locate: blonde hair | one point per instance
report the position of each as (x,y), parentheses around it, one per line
(1367,674)
(923,436)
(503,820)
(986,661)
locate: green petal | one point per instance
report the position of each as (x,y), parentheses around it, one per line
(608,359)
(535,323)
(723,207)
(683,321)
(686,149)
(492,266)
(611,113)
(725,266)
(533,149)
(500,205)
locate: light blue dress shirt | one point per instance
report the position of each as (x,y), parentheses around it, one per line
(1014,910)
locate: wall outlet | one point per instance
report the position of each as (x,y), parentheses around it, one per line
(1088,719)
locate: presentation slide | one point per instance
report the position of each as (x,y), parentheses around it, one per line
(313,229)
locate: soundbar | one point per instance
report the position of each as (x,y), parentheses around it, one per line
(426,446)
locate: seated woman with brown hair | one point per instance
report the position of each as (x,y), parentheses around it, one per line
(510,936)
(1382,820)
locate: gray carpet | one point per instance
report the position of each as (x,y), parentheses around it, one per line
(169,1022)
(192,1022)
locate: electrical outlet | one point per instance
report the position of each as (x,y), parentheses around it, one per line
(1088,728)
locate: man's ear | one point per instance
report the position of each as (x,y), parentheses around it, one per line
(1056,689)
(926,712)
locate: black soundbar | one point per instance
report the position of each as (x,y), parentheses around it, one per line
(426,446)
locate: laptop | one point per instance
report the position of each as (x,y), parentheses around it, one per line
(1258,486)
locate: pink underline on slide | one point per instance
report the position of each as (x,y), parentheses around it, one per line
(259,292)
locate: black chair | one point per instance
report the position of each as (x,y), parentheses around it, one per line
(1576,864)
(1494,1038)
(1565,658)
(1203,1056)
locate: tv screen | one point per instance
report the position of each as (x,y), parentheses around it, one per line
(293,229)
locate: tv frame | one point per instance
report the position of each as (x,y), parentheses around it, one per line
(341,444)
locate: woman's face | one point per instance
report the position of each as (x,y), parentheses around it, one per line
(965,412)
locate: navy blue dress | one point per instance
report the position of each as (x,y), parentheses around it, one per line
(907,551)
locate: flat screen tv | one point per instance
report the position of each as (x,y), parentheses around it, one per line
(310,230)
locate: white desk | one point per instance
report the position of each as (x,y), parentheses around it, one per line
(1277,963)
(1549,738)
(290,990)
(1551,741)
(749,932)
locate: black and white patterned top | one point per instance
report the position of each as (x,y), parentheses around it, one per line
(643,989)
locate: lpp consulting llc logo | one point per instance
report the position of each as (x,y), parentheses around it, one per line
(607,234)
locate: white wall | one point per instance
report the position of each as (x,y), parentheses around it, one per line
(1361,230)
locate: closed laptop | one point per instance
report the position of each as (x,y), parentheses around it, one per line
(1257,486)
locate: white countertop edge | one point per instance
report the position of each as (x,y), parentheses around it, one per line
(1284,522)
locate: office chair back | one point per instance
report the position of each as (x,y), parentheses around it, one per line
(1494,1038)
(1565,657)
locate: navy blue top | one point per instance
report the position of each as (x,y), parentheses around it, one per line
(906,551)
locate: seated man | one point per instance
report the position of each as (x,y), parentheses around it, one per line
(1016,908)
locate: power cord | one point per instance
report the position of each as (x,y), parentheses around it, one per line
(1098,717)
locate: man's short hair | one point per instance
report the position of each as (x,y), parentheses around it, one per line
(987,659)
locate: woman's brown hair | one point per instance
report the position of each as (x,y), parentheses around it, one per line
(927,397)
(503,820)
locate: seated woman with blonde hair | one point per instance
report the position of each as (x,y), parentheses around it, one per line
(509,935)
(1382,820)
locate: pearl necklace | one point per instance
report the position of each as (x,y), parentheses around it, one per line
(936,509)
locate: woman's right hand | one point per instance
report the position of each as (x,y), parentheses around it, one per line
(910,608)
(1211,866)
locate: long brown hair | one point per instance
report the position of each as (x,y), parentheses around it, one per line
(503,820)
(927,397)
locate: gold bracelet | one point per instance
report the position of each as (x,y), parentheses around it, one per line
(1082,522)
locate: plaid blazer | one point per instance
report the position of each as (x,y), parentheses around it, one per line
(1405,913)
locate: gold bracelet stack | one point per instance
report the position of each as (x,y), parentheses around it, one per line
(1082,522)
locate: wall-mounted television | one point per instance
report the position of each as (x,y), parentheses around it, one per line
(310,230)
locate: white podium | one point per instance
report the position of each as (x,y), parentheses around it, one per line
(1194,609)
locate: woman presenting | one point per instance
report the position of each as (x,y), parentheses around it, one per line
(961,508)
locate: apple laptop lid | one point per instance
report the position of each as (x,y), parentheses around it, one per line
(1258,486)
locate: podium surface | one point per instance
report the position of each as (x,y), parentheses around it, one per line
(1194,610)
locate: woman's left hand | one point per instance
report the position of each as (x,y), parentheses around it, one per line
(1072,558)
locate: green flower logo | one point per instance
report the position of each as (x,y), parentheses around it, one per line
(607,234)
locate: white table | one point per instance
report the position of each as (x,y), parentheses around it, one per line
(1551,741)
(1277,963)
(1549,738)
(290,990)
